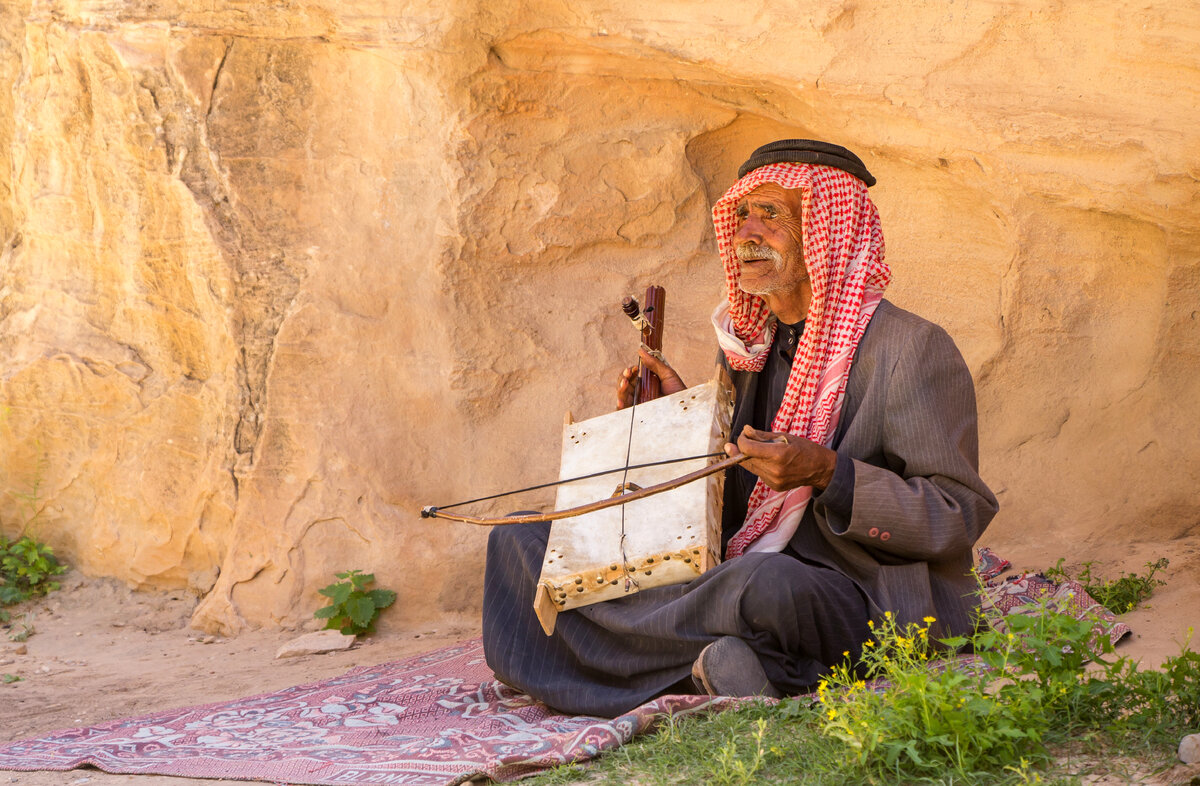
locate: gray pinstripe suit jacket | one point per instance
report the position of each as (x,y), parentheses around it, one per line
(909,425)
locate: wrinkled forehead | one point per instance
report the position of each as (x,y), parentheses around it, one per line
(774,193)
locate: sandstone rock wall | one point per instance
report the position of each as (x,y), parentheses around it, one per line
(273,276)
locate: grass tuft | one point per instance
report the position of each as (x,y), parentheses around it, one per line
(1118,595)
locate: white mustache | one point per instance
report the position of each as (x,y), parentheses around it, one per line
(750,252)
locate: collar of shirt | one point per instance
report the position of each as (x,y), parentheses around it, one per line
(786,338)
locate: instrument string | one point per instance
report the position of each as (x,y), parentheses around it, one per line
(589,476)
(637,390)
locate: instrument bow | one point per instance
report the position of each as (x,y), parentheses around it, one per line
(433,512)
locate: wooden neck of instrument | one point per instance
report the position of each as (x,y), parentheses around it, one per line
(649,387)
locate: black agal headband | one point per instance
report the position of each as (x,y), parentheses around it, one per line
(807,151)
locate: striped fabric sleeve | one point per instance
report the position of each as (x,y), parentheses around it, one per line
(929,502)
(838,496)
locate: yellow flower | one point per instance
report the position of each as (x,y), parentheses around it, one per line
(887,614)
(859,684)
(929,620)
(845,653)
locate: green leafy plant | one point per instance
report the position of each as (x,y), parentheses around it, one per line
(907,713)
(27,568)
(353,608)
(8,679)
(1044,700)
(1118,595)
(933,718)
(1177,685)
(1151,703)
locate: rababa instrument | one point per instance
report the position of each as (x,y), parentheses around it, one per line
(670,538)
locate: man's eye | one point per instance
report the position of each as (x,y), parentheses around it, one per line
(740,213)
(769,212)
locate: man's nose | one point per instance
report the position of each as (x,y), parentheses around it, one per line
(749,230)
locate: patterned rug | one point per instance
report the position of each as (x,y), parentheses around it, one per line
(1024,593)
(439,718)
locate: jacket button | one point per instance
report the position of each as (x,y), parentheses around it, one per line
(873,532)
(885,535)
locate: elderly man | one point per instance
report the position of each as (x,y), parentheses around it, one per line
(861,493)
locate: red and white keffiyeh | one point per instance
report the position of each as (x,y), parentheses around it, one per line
(843,252)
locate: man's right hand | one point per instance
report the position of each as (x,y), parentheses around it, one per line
(627,382)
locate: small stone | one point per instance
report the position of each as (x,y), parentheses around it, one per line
(1189,749)
(316,643)
(208,639)
(20,649)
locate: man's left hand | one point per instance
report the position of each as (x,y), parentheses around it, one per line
(784,461)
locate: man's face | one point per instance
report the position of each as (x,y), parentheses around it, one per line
(768,241)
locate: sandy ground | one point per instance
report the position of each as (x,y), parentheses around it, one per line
(101,651)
